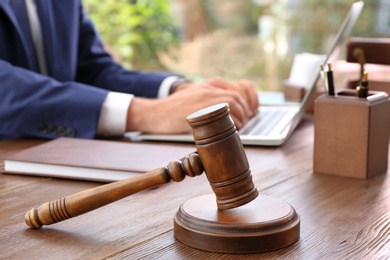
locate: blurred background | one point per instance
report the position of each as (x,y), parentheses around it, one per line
(253,39)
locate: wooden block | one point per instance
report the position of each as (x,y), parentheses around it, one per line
(293,92)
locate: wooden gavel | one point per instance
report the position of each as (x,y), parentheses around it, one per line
(220,154)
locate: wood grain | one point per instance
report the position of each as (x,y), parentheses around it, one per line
(341,218)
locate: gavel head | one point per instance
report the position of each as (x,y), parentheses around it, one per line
(223,157)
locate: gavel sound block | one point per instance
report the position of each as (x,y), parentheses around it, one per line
(235,219)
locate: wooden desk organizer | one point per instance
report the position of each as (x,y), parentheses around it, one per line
(370,51)
(351,134)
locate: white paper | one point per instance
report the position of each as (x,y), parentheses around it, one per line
(305,69)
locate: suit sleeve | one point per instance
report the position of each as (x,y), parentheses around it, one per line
(69,102)
(38,106)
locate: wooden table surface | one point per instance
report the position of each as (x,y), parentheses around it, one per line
(341,218)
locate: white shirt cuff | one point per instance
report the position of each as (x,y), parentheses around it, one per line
(166,85)
(113,115)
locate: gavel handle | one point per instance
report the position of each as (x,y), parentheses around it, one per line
(88,200)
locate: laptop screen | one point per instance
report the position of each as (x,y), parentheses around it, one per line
(334,51)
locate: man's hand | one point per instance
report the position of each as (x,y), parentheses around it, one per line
(167,115)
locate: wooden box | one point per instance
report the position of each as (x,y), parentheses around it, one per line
(351,134)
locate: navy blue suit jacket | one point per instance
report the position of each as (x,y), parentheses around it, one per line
(81,73)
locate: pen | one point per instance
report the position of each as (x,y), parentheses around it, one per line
(329,75)
(324,81)
(362,89)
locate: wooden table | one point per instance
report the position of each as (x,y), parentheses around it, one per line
(340,217)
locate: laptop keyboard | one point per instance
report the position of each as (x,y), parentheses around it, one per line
(264,122)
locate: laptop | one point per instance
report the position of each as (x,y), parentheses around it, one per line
(277,120)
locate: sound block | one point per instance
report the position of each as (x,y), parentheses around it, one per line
(263,224)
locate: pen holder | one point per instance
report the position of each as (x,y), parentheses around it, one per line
(351,134)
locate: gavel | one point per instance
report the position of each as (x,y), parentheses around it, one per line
(234,219)
(220,154)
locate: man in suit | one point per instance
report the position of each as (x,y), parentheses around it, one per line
(56,80)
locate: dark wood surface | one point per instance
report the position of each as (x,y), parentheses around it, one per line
(341,218)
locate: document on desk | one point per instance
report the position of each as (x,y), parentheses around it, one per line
(94,160)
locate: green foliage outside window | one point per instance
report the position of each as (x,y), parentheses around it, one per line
(134,31)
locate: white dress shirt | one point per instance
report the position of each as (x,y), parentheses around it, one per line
(113,116)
